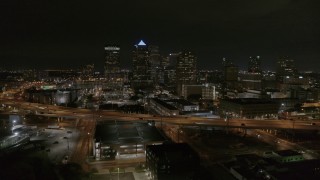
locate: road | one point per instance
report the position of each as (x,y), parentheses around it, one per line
(84,145)
(282,144)
(58,111)
(88,118)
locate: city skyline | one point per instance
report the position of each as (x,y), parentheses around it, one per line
(59,35)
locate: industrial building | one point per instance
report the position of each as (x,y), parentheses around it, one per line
(115,139)
(172,161)
(250,107)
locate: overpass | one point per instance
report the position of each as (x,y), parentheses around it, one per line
(101,115)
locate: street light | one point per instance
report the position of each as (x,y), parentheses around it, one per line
(88,144)
(179,134)
(118,172)
(293,122)
(227,121)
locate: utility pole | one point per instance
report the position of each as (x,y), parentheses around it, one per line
(179,134)
(227,121)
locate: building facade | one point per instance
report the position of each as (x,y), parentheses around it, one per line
(254,65)
(141,66)
(112,60)
(155,64)
(250,108)
(285,67)
(186,70)
(172,161)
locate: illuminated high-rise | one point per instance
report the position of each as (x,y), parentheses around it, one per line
(141,66)
(155,63)
(254,64)
(186,70)
(169,64)
(112,60)
(285,67)
(225,62)
(87,71)
(230,74)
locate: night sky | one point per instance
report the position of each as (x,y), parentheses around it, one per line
(65,33)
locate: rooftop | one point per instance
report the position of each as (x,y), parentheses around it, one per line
(164,104)
(127,133)
(141,43)
(181,101)
(250,101)
(173,152)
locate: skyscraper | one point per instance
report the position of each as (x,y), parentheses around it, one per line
(154,62)
(141,66)
(112,60)
(252,78)
(254,64)
(225,62)
(169,65)
(285,67)
(230,74)
(87,71)
(186,70)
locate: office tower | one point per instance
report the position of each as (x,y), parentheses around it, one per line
(186,70)
(225,62)
(173,59)
(141,71)
(231,73)
(154,56)
(251,80)
(154,62)
(88,71)
(112,61)
(170,78)
(164,62)
(254,64)
(285,67)
(169,64)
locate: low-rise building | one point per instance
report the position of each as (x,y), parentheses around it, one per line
(249,107)
(205,91)
(183,105)
(279,165)
(163,108)
(172,161)
(117,139)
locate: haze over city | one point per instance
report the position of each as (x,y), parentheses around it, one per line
(61,34)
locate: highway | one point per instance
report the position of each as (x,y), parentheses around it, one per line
(58,111)
(87,119)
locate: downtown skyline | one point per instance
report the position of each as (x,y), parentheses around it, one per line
(66,34)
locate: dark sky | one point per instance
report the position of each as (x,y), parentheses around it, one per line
(67,33)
